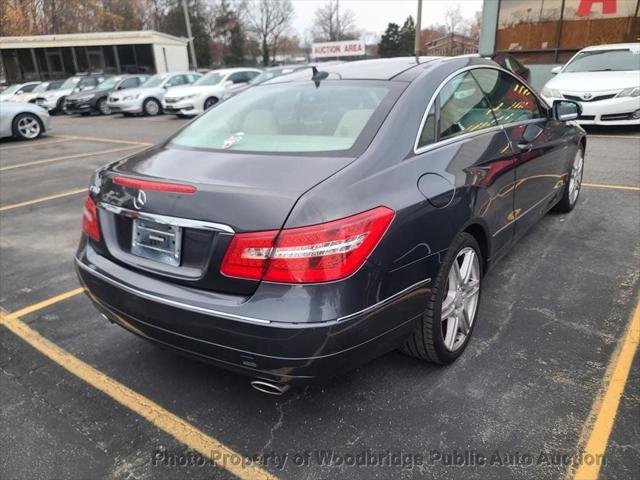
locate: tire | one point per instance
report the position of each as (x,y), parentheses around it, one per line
(151,107)
(27,126)
(431,340)
(210,102)
(572,186)
(102,107)
(60,105)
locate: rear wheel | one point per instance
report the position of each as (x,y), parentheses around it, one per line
(27,126)
(151,107)
(572,187)
(444,330)
(103,108)
(210,102)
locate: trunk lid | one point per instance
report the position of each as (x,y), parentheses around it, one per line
(246,192)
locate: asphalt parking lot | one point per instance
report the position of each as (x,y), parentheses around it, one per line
(81,398)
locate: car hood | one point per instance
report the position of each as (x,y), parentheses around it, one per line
(243,190)
(56,94)
(594,81)
(93,92)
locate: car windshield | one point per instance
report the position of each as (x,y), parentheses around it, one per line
(43,87)
(212,78)
(287,118)
(11,89)
(70,82)
(154,81)
(604,61)
(110,83)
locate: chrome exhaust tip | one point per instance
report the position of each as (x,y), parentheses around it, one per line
(269,388)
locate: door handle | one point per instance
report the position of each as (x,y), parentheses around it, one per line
(525,147)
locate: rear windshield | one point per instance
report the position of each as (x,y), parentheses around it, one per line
(290,117)
(605,60)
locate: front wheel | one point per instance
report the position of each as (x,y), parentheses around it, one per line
(574,183)
(210,102)
(103,108)
(444,330)
(151,107)
(27,126)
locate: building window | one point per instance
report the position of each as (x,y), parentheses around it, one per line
(550,31)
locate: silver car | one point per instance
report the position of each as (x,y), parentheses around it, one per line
(24,121)
(147,99)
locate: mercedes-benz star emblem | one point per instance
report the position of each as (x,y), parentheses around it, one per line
(140,200)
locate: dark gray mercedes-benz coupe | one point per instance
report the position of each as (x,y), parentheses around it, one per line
(326,217)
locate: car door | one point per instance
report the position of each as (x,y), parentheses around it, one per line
(131,82)
(536,141)
(461,130)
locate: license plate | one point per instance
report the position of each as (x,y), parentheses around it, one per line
(156,241)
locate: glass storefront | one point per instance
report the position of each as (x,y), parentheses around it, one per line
(551,31)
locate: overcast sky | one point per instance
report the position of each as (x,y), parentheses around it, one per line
(374,15)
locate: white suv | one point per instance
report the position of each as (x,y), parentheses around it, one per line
(206,92)
(605,80)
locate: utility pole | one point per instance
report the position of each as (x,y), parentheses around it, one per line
(417,46)
(192,50)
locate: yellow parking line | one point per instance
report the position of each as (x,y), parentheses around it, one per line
(45,303)
(595,434)
(207,446)
(68,157)
(36,143)
(42,199)
(107,140)
(613,187)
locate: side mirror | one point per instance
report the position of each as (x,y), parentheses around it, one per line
(19,92)
(565,110)
(228,84)
(556,70)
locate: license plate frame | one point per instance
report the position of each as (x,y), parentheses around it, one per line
(156,241)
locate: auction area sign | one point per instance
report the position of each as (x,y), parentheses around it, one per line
(347,48)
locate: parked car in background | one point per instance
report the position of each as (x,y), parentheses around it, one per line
(147,99)
(207,91)
(39,90)
(95,100)
(17,89)
(320,220)
(24,121)
(604,80)
(54,101)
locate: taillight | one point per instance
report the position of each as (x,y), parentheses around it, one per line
(159,186)
(318,253)
(90,224)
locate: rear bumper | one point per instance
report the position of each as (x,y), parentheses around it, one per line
(271,350)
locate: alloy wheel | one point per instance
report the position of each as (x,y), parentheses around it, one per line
(461,299)
(29,127)
(104,108)
(152,108)
(575,178)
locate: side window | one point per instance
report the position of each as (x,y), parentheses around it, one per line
(128,83)
(192,78)
(29,88)
(428,134)
(511,101)
(463,108)
(239,77)
(252,75)
(176,80)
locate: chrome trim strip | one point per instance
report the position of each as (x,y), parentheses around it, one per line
(166,220)
(231,316)
(543,199)
(418,150)
(385,301)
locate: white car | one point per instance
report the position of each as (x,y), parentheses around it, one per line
(40,89)
(604,80)
(24,121)
(53,101)
(206,92)
(147,98)
(17,89)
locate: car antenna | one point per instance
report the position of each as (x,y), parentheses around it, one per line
(318,75)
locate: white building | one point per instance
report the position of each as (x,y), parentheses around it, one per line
(44,57)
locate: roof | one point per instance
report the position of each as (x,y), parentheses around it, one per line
(374,69)
(614,46)
(92,39)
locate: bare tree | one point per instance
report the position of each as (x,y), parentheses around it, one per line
(454,18)
(269,20)
(331,24)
